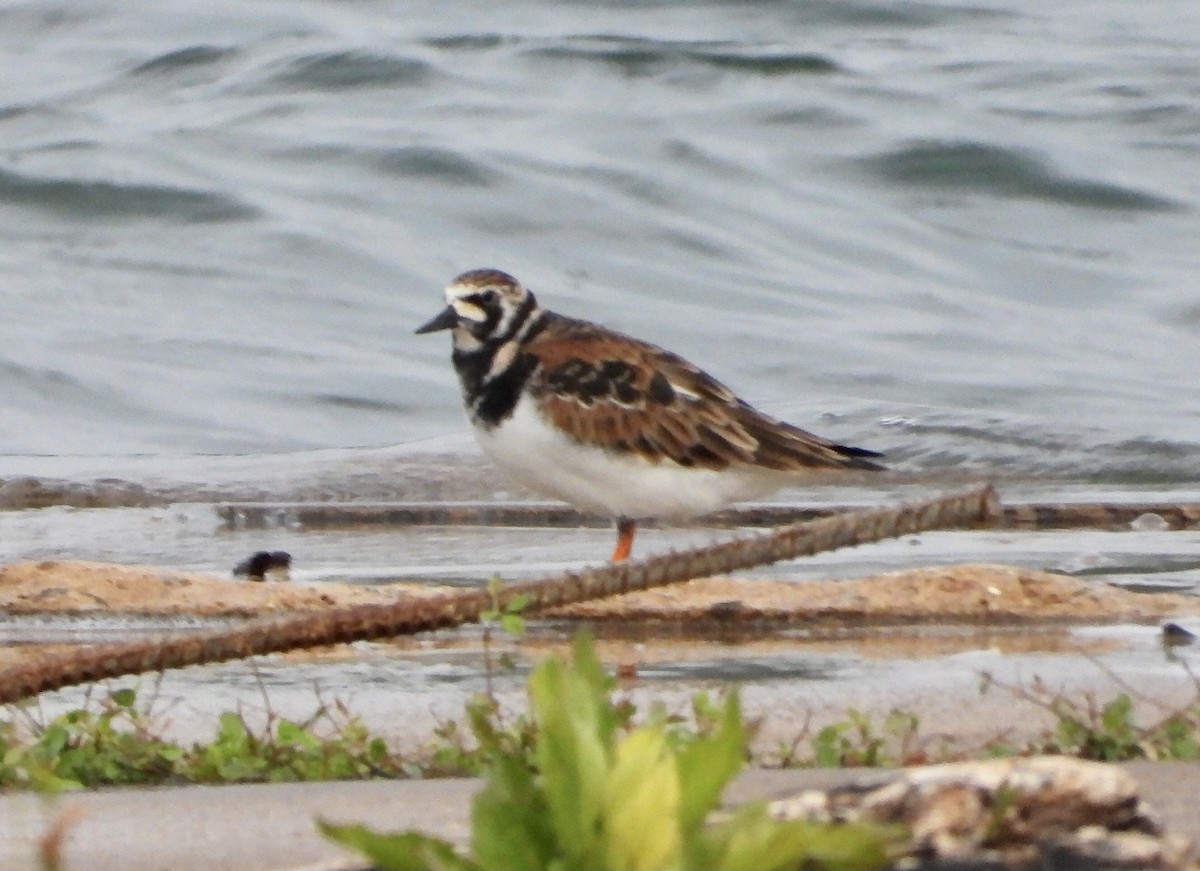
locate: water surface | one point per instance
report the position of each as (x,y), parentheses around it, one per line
(959,233)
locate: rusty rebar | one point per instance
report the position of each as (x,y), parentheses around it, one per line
(270,635)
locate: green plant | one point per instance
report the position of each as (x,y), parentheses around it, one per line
(1108,731)
(509,620)
(858,742)
(288,751)
(488,734)
(83,747)
(113,742)
(594,799)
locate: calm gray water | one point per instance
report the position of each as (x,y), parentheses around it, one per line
(963,234)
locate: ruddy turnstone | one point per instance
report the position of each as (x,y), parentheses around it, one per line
(608,423)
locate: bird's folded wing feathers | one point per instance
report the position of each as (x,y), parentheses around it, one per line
(616,392)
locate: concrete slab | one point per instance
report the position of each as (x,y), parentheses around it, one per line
(270,827)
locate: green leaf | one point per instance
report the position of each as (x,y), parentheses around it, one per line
(231,730)
(404,852)
(573,758)
(510,826)
(707,764)
(642,807)
(576,729)
(1178,739)
(752,841)
(54,739)
(513,624)
(291,733)
(1116,717)
(828,746)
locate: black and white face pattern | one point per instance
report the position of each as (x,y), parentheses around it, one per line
(489,307)
(490,314)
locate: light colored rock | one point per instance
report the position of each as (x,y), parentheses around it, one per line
(1017,812)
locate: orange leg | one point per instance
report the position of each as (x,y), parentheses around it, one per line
(625,531)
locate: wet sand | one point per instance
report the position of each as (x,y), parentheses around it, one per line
(965,593)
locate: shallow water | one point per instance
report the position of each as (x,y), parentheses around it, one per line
(792,688)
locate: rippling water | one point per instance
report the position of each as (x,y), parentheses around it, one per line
(964,234)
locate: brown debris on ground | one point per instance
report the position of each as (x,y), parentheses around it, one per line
(950,594)
(70,587)
(969,593)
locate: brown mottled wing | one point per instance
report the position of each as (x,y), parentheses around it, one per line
(610,390)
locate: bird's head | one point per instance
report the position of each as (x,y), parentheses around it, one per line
(482,305)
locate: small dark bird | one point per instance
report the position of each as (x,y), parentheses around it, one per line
(1174,635)
(264,565)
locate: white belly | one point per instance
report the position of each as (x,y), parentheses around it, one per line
(602,482)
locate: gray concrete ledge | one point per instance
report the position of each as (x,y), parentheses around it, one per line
(270,827)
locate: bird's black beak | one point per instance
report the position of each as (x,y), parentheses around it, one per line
(443,320)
